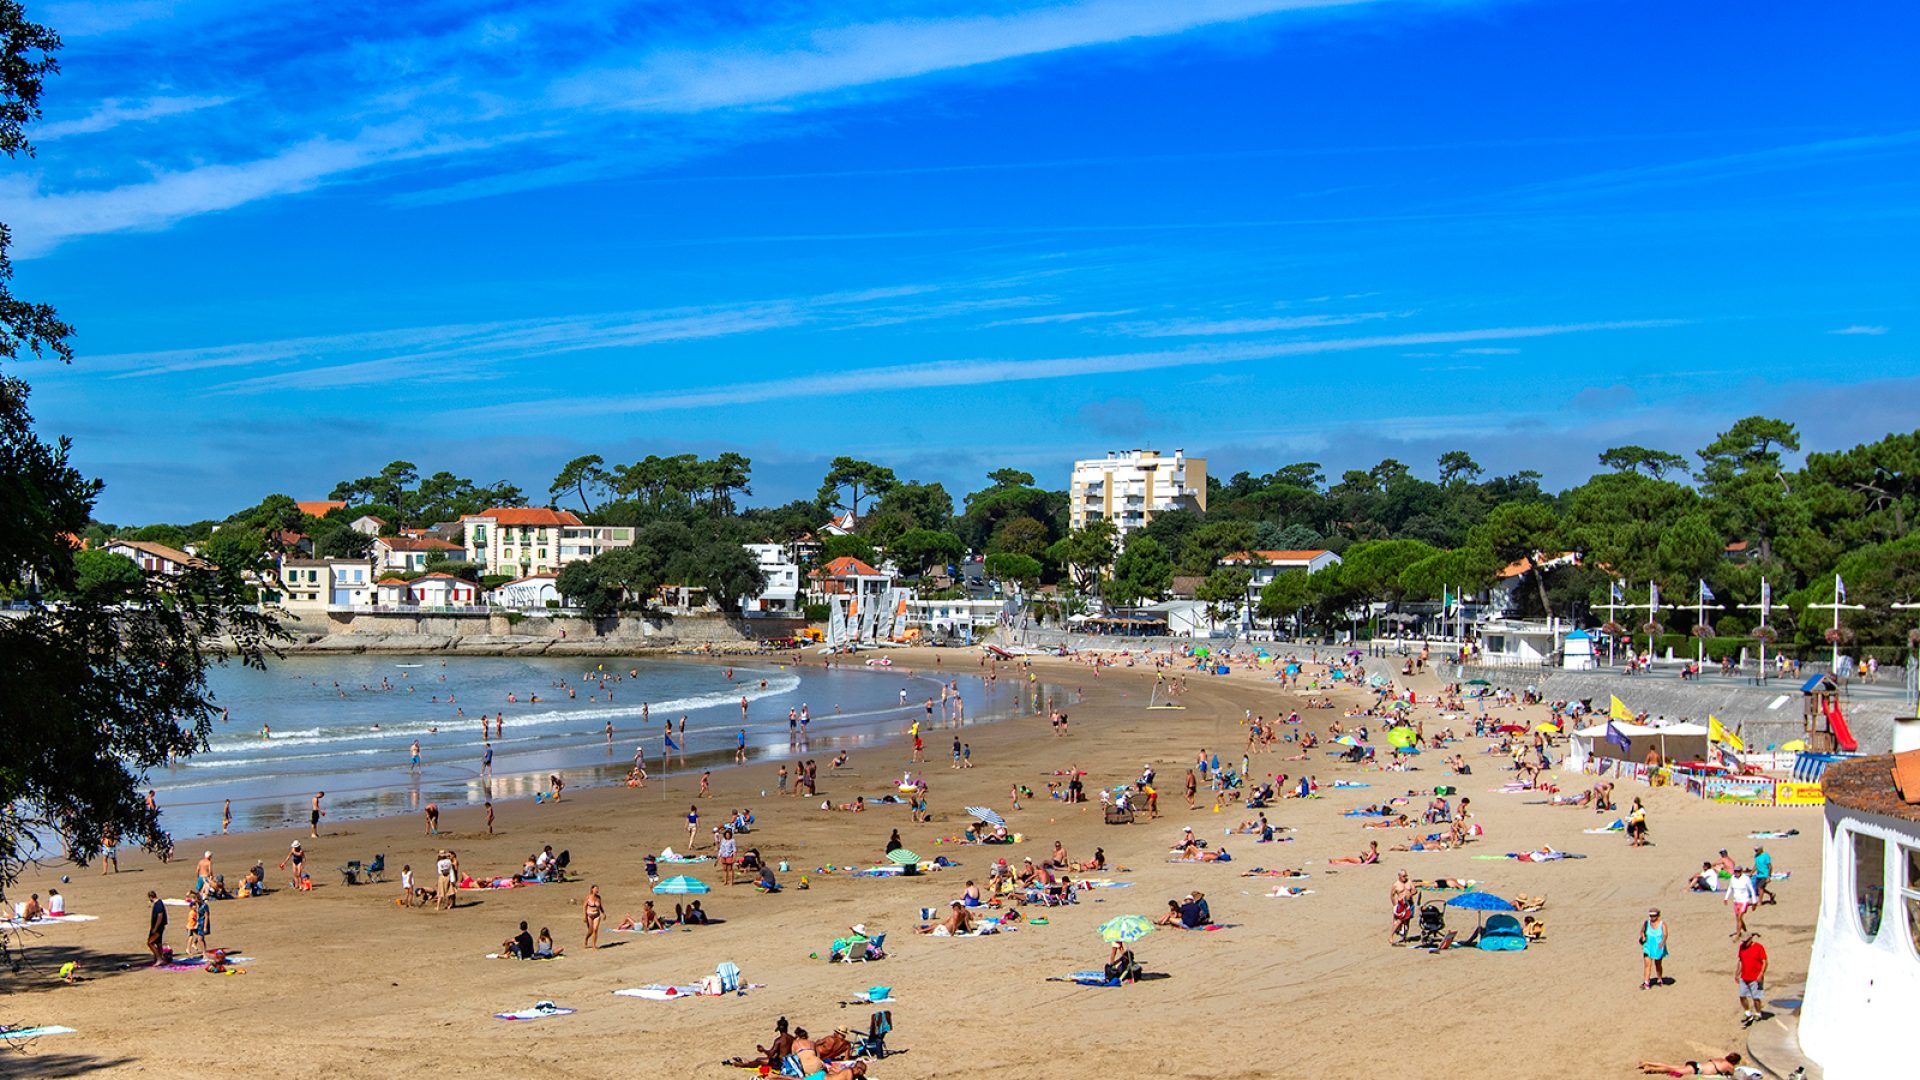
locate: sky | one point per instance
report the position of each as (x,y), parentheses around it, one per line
(300,241)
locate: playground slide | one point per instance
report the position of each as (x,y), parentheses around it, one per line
(1842,737)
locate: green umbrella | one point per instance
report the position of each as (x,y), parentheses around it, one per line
(902,856)
(1125,928)
(682,885)
(1478,682)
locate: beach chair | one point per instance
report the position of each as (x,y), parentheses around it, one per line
(377,869)
(876,949)
(873,1042)
(350,873)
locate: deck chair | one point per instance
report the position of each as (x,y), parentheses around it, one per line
(377,869)
(876,949)
(350,873)
(873,1042)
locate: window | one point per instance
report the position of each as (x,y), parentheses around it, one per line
(1910,892)
(1869,881)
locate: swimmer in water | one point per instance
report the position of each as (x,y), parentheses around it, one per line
(266,732)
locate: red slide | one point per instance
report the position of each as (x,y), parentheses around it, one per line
(1838,723)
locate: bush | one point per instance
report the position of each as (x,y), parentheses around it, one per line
(553,605)
(817,612)
(515,618)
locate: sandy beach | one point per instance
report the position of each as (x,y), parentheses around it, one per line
(1301,986)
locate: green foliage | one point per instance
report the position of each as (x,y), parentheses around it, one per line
(585,477)
(494,581)
(834,547)
(1020,535)
(332,539)
(1223,591)
(459,568)
(1086,553)
(1013,566)
(1633,459)
(919,506)
(987,510)
(925,549)
(850,480)
(1373,569)
(1288,594)
(399,495)
(1141,573)
(104,576)
(814,613)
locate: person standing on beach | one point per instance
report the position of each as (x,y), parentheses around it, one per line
(706,779)
(414,752)
(740,747)
(728,846)
(489,806)
(1402,898)
(443,882)
(1751,959)
(783,778)
(486,762)
(157,928)
(315,814)
(433,819)
(609,734)
(1193,786)
(1741,895)
(1655,942)
(226,816)
(693,825)
(593,910)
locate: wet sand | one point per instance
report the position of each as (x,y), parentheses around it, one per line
(347,984)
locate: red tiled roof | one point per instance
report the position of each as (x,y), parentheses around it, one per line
(846,566)
(160,551)
(528,515)
(319,507)
(1519,566)
(1302,555)
(415,543)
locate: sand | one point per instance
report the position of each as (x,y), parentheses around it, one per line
(346,984)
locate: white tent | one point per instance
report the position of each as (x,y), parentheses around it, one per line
(1675,742)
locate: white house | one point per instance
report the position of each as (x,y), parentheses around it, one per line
(311,586)
(156,558)
(1863,984)
(530,593)
(782,594)
(536,540)
(1522,642)
(410,553)
(367,525)
(430,591)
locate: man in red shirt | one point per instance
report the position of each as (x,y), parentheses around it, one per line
(1752,975)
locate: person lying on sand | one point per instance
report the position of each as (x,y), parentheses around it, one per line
(958,921)
(1720,1066)
(813,1067)
(1365,858)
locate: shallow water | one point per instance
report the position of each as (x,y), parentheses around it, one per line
(345,725)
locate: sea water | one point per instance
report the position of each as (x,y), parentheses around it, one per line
(346,724)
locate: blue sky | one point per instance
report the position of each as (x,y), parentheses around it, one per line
(487,237)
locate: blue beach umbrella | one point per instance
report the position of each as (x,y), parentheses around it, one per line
(682,885)
(1480,902)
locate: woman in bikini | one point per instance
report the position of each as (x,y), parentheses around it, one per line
(1721,1066)
(593,909)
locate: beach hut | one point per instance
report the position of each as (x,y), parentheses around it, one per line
(1863,984)
(1674,742)
(1578,654)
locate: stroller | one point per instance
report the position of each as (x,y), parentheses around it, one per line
(1433,924)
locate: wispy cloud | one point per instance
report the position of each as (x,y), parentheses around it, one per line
(1718,167)
(1874,331)
(1062,317)
(1495,350)
(949,373)
(113,112)
(1224,327)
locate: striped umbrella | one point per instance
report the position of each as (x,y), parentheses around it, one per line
(986,815)
(902,856)
(681,885)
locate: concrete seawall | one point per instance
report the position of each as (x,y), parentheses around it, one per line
(492,634)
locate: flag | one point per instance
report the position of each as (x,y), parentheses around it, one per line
(1766,598)
(1618,737)
(1706,594)
(1717,732)
(1619,592)
(1839,590)
(1619,711)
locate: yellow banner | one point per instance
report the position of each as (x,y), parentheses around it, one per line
(1717,732)
(1798,795)
(1619,711)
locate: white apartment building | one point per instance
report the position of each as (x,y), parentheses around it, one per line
(536,540)
(1129,487)
(308,587)
(782,594)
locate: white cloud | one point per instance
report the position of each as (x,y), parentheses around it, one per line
(946,373)
(1062,317)
(1874,331)
(113,112)
(1220,327)
(841,58)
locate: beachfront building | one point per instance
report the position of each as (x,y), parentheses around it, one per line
(1863,984)
(309,587)
(156,558)
(842,525)
(535,592)
(1129,487)
(431,592)
(953,620)
(782,593)
(1524,642)
(410,553)
(367,525)
(1503,596)
(847,576)
(536,540)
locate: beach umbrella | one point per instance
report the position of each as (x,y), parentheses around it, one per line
(1478,682)
(1347,740)
(986,815)
(901,856)
(1402,737)
(1480,902)
(1551,729)
(682,885)
(1125,928)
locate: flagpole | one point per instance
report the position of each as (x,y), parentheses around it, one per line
(1700,620)
(1839,594)
(1765,605)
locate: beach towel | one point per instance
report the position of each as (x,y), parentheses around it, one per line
(1282,874)
(540,1011)
(1349,784)
(504,956)
(1102,883)
(669,856)
(1773,834)
(34,1032)
(1534,856)
(1086,978)
(659,992)
(199,964)
(1365,813)
(1617,826)
(496,883)
(12,923)
(1285,891)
